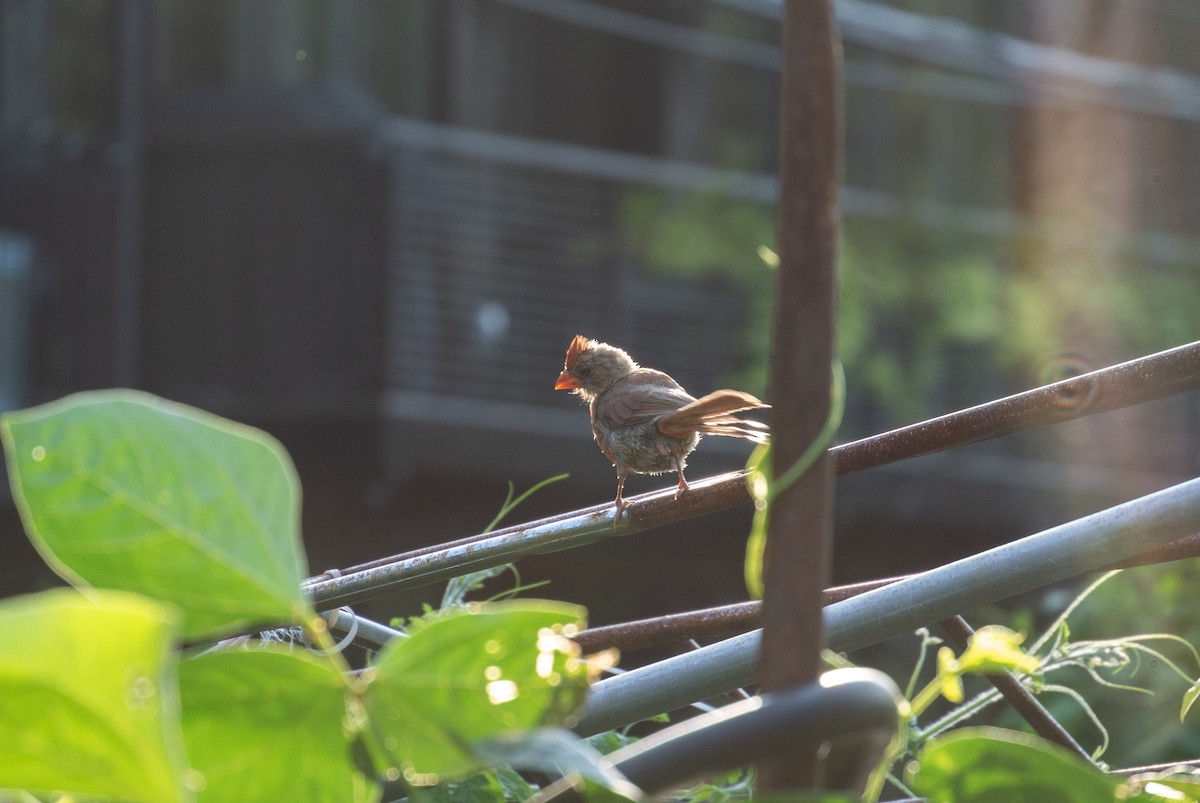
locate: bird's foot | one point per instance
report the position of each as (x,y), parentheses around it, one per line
(683,486)
(621,506)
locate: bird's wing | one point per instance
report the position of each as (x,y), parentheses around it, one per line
(642,396)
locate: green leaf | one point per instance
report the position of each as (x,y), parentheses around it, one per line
(555,751)
(474,674)
(482,787)
(267,724)
(119,489)
(595,792)
(994,649)
(87,696)
(949,675)
(983,765)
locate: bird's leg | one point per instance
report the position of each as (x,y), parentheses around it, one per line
(621,503)
(683,486)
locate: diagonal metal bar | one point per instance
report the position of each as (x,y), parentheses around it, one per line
(1130,383)
(557,533)
(727,620)
(722,620)
(1142,380)
(1071,549)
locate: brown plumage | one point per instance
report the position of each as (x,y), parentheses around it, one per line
(642,419)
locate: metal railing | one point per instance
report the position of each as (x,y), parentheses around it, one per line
(1137,381)
(1159,527)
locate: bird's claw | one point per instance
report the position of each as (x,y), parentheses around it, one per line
(621,506)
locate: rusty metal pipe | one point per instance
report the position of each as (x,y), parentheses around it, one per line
(722,620)
(799,551)
(1130,383)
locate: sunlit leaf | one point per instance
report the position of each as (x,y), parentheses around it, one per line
(981,765)
(482,787)
(994,649)
(949,675)
(87,696)
(472,675)
(595,792)
(267,724)
(119,489)
(768,256)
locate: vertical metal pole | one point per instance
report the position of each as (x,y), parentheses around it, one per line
(797,558)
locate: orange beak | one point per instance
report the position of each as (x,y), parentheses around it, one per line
(567,382)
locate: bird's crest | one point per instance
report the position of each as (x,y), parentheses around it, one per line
(578,345)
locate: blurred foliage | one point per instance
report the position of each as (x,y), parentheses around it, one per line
(703,235)
(929,319)
(1163,599)
(988,764)
(1143,728)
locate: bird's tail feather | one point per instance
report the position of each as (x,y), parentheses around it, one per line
(714,415)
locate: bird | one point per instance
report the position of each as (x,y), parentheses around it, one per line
(643,420)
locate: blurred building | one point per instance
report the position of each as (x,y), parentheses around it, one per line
(373,227)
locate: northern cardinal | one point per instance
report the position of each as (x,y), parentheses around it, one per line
(643,420)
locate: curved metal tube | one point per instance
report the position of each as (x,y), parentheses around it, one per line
(846,704)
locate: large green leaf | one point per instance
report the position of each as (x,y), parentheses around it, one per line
(473,675)
(990,765)
(266,724)
(120,489)
(87,696)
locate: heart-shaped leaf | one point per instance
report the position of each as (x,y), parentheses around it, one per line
(470,676)
(120,489)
